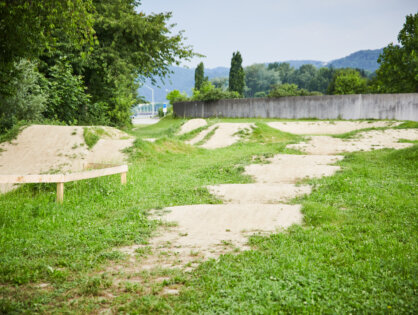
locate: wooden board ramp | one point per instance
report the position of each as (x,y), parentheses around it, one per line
(98,170)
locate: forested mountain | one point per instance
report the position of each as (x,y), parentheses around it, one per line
(363,59)
(182,79)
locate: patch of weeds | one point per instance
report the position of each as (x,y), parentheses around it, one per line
(143,251)
(91,137)
(407,125)
(95,285)
(207,137)
(13,132)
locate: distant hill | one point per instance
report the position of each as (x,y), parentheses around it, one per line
(182,79)
(363,59)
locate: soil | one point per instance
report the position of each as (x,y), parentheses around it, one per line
(191,125)
(41,149)
(327,127)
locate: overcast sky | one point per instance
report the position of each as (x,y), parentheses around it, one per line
(278,30)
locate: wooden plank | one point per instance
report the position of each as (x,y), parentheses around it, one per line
(61,178)
(95,173)
(123,178)
(60,192)
(24,179)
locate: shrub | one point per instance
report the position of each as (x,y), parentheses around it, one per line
(290,90)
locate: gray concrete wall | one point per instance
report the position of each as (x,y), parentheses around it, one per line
(359,106)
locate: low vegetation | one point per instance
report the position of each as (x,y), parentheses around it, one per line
(356,251)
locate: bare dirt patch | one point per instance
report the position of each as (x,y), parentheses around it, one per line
(225,135)
(289,168)
(365,141)
(327,127)
(191,125)
(258,193)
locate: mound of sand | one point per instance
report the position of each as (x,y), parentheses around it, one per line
(225,135)
(41,149)
(191,125)
(365,141)
(327,127)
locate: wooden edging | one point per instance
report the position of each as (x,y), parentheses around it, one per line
(60,179)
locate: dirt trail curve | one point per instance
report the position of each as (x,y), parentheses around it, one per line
(207,231)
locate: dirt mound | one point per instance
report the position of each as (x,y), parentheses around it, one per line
(192,125)
(327,127)
(365,141)
(225,134)
(42,149)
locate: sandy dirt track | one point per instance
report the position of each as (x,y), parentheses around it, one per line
(364,141)
(327,127)
(191,125)
(43,148)
(225,135)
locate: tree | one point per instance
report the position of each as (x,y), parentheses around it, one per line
(199,76)
(132,45)
(398,71)
(287,89)
(259,79)
(347,81)
(29,27)
(236,74)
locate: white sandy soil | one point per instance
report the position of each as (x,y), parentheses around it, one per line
(327,127)
(42,149)
(364,141)
(225,135)
(191,125)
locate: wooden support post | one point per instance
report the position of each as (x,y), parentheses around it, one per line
(60,192)
(123,178)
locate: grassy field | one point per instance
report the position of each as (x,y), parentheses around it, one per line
(355,253)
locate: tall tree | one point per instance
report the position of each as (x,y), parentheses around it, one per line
(236,74)
(199,76)
(398,72)
(347,81)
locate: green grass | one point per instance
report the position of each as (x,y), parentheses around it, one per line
(355,253)
(63,245)
(92,135)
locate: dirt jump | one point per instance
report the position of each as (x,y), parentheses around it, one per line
(43,149)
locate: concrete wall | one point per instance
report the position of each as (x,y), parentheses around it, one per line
(373,106)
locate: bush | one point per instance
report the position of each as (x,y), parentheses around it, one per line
(24,97)
(209,93)
(290,90)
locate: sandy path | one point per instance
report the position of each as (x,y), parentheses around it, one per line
(207,231)
(42,149)
(225,135)
(365,141)
(191,125)
(258,193)
(327,127)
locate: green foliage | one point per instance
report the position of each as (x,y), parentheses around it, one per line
(221,83)
(67,101)
(347,81)
(236,74)
(259,79)
(199,76)
(176,96)
(27,28)
(91,136)
(399,63)
(24,97)
(209,93)
(290,90)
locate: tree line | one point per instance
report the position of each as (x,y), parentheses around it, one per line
(398,73)
(78,62)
